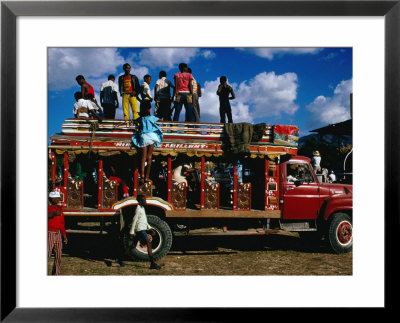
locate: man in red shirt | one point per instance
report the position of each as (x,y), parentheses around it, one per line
(183,93)
(55,229)
(87,90)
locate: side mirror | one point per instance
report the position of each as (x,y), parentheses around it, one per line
(297,183)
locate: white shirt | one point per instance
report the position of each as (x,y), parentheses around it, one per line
(139,221)
(177,174)
(109,83)
(82,103)
(163,89)
(332,177)
(316,160)
(146,92)
(108,88)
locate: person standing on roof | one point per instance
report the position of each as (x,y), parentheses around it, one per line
(109,97)
(56,228)
(224,89)
(129,88)
(162,96)
(87,90)
(196,94)
(145,93)
(183,93)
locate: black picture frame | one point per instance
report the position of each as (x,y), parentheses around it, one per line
(10,10)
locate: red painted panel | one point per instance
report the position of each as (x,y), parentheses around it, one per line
(169,180)
(300,202)
(235,178)
(100,184)
(53,168)
(202,179)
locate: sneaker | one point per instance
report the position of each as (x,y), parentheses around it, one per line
(155,266)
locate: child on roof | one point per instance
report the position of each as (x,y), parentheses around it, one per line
(84,108)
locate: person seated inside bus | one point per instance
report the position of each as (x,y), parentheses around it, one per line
(112,176)
(83,109)
(179,174)
(239,171)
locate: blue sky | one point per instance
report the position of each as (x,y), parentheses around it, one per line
(306,87)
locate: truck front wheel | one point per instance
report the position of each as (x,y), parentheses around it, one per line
(340,233)
(161,242)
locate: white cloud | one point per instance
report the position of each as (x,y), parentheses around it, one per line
(66,63)
(208,54)
(270,95)
(266,95)
(166,57)
(270,53)
(328,110)
(136,69)
(209,103)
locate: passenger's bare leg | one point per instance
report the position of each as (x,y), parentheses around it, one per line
(142,162)
(149,157)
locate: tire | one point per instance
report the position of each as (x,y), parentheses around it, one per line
(161,242)
(340,233)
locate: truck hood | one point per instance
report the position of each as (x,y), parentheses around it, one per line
(339,189)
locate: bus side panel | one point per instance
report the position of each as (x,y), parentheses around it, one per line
(271,185)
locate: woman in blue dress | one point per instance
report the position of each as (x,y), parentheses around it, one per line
(148,137)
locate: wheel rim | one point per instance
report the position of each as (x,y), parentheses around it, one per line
(156,243)
(344,232)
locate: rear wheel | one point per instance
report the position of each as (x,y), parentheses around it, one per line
(340,233)
(161,242)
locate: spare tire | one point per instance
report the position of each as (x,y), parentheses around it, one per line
(161,243)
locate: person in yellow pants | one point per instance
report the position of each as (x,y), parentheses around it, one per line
(129,88)
(130,100)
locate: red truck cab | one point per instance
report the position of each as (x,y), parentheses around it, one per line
(304,198)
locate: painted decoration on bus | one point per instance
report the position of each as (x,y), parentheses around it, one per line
(272,195)
(286,135)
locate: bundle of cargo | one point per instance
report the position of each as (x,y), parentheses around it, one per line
(193,139)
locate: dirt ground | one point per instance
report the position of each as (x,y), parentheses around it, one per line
(275,254)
